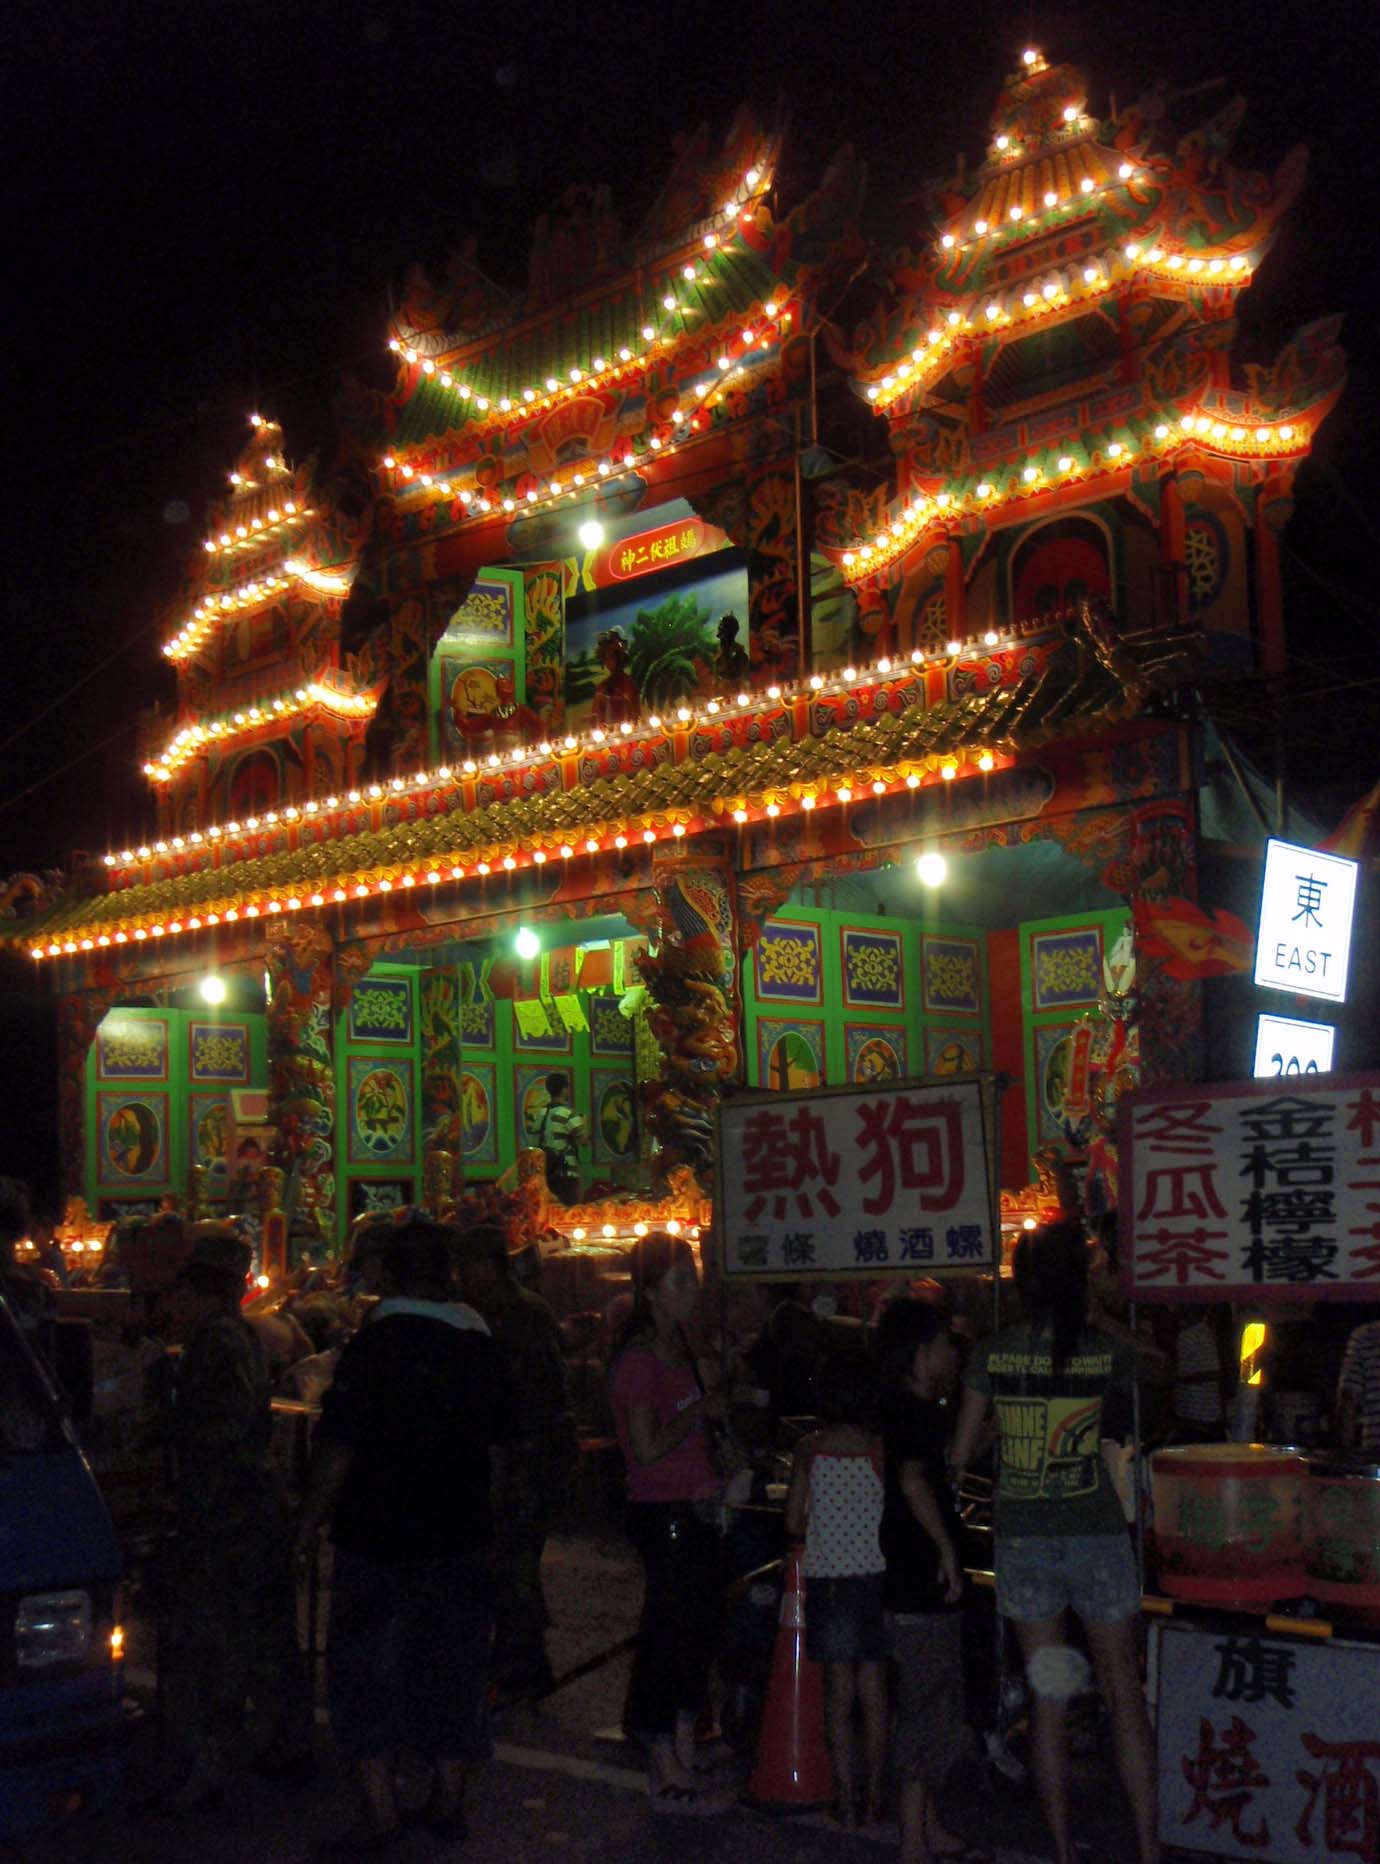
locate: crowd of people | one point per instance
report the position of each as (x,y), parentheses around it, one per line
(445,1446)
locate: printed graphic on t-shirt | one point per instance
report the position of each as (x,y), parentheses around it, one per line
(1051,1428)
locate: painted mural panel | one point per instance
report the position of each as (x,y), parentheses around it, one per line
(875,1052)
(133,1147)
(1066,968)
(381,1111)
(790,1055)
(1053,1045)
(132,1048)
(479,1113)
(610,1031)
(477,1023)
(209,1123)
(376,1197)
(873,975)
(950,975)
(953,1051)
(218,1052)
(381,1010)
(787,963)
(614,1133)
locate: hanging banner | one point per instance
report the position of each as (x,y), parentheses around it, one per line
(1232,1188)
(895,1179)
(1267,1746)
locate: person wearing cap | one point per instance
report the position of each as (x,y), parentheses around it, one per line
(234,1618)
(541,1456)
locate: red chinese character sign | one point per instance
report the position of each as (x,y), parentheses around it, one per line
(1268,1747)
(848,1181)
(1232,1188)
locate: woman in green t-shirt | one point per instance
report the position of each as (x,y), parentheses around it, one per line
(1061,1539)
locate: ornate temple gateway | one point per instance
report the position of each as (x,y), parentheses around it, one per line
(595,715)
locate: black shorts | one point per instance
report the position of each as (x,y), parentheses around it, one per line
(407,1656)
(844,1620)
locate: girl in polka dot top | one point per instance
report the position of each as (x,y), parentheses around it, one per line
(835,1503)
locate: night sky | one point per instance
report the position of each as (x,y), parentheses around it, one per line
(210,203)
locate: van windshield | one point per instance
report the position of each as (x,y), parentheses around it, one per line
(30,1422)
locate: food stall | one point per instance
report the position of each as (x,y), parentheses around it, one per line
(1264,1595)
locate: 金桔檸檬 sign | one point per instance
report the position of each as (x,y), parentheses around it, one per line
(850,1181)
(1229,1189)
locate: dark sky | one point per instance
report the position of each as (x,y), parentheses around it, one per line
(208,204)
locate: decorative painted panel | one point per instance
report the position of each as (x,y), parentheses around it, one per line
(209,1123)
(614,1098)
(378,1196)
(873,976)
(381,1115)
(218,1052)
(133,1142)
(479,1113)
(610,1032)
(953,1051)
(1066,968)
(875,1051)
(1053,1053)
(381,1010)
(477,1023)
(786,962)
(132,1048)
(789,1055)
(950,975)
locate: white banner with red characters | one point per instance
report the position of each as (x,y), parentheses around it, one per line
(1269,1747)
(1232,1188)
(860,1180)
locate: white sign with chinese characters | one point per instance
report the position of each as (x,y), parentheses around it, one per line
(860,1180)
(1245,1185)
(1284,1046)
(1269,1747)
(1304,938)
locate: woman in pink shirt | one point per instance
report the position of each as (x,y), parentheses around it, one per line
(661,1413)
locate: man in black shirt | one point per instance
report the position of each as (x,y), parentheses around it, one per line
(419,1404)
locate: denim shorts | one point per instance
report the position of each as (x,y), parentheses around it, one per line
(1040,1575)
(844,1620)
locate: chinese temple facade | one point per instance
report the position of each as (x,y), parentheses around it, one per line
(792,763)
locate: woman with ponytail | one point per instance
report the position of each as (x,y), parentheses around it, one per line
(662,1414)
(1061,1539)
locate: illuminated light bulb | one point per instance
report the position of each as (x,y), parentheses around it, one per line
(1176,261)
(1030,56)
(1086,185)
(984,490)
(1070,113)
(1015,211)
(878,787)
(1219,429)
(1003,142)
(1238,264)
(482,403)
(744,699)
(986,761)
(725,362)
(1051,198)
(953,648)
(1091,275)
(1115,450)
(1028,298)
(932,869)
(591,846)
(1216,265)
(1195,265)
(990,638)
(483,868)
(955,319)
(1189,422)
(947,241)
(844,794)
(1286,433)
(752,177)
(979,227)
(668,303)
(993,311)
(873,392)
(1031,474)
(620,841)
(1051,288)
(529,394)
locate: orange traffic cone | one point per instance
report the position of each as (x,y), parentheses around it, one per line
(793,1771)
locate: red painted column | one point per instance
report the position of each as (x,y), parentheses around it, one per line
(1274,506)
(955,591)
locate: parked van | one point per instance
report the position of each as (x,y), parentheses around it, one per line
(63,1721)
